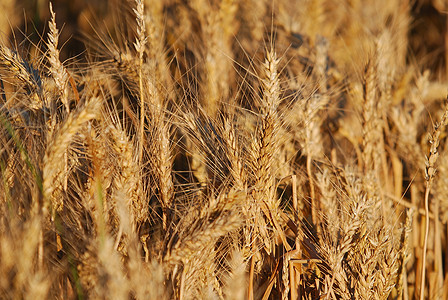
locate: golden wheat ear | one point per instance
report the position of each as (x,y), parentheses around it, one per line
(53,166)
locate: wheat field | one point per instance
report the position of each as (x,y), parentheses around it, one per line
(224,149)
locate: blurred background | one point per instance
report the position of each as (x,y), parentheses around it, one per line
(23,22)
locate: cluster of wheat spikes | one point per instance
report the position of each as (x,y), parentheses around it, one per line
(226,149)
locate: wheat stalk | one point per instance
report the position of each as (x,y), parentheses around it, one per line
(430,172)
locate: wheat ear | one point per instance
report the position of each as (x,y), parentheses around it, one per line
(52,170)
(57,69)
(139,45)
(265,148)
(26,73)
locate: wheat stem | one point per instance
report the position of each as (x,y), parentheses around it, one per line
(430,172)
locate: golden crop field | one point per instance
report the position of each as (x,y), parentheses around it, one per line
(224,149)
